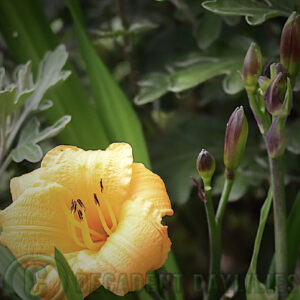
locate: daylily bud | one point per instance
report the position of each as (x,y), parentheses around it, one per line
(290,45)
(276,138)
(278,96)
(235,140)
(263,82)
(206,165)
(252,67)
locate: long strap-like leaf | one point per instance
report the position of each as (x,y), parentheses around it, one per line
(119,119)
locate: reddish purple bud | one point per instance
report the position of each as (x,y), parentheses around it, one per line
(272,96)
(252,67)
(276,138)
(235,139)
(290,45)
(206,165)
(278,96)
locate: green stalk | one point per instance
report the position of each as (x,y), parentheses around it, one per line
(214,245)
(152,293)
(281,262)
(223,201)
(262,116)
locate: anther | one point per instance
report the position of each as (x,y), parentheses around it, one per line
(73,206)
(81,204)
(96,200)
(80,215)
(101,186)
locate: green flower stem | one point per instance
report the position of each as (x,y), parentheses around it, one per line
(260,114)
(214,245)
(215,241)
(152,292)
(223,201)
(281,263)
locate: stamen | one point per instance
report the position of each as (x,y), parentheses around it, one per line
(80,215)
(72,228)
(102,218)
(81,204)
(110,210)
(73,206)
(76,224)
(86,235)
(101,185)
(96,200)
(73,224)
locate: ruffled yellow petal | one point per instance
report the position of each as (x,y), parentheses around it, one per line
(149,186)
(36,222)
(106,174)
(139,244)
(20,184)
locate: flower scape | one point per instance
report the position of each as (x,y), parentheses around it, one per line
(99,208)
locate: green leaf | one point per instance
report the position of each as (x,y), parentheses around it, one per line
(175,154)
(294,294)
(120,121)
(255,290)
(49,74)
(194,75)
(13,95)
(103,293)
(7,102)
(293,143)
(208,29)
(45,105)
(153,86)
(18,278)
(233,83)
(256,12)
(137,27)
(293,236)
(68,280)
(171,267)
(30,152)
(189,72)
(30,136)
(141,26)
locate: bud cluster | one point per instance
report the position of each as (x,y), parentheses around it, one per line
(271,98)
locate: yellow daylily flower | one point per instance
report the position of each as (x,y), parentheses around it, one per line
(99,208)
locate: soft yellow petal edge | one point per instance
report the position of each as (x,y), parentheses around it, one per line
(36,222)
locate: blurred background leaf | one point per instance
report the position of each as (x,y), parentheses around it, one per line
(256,12)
